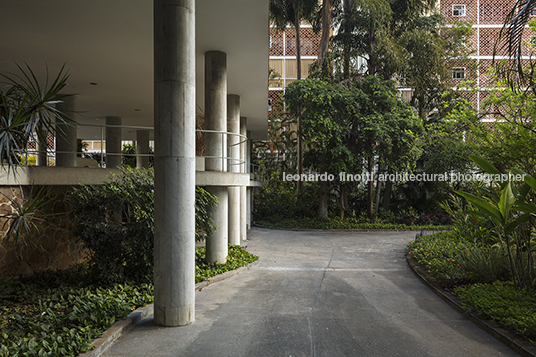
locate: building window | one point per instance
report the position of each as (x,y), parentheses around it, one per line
(458,73)
(269,104)
(458,10)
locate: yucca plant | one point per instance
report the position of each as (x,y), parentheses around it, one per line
(27,108)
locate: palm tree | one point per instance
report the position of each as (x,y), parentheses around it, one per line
(293,12)
(515,22)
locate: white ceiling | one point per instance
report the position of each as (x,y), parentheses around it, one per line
(110,42)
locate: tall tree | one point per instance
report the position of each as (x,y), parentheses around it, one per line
(293,12)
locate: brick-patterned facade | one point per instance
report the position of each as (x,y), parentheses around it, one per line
(488,18)
(283,61)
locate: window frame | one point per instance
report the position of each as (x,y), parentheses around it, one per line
(459,71)
(456,9)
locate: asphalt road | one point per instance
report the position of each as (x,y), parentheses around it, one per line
(318,294)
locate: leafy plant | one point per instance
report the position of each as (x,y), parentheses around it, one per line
(27,215)
(115,222)
(512,221)
(27,107)
(502,302)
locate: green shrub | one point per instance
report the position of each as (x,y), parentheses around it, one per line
(115,222)
(36,320)
(455,261)
(237,257)
(502,302)
(278,200)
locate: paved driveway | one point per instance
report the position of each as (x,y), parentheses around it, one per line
(318,294)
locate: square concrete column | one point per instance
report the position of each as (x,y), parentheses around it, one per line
(233,126)
(174,122)
(66,134)
(142,149)
(216,150)
(243,189)
(113,142)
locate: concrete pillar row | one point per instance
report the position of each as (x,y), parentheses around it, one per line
(216,150)
(142,148)
(233,126)
(174,122)
(243,189)
(113,142)
(66,134)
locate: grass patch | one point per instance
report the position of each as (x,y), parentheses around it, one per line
(60,313)
(336,223)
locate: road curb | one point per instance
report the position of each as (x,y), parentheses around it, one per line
(101,344)
(516,343)
(109,336)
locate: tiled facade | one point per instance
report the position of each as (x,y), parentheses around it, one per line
(283,61)
(488,18)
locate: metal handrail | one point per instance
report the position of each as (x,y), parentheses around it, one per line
(226,160)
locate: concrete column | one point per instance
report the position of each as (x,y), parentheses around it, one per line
(41,149)
(249,193)
(233,126)
(243,189)
(142,148)
(174,121)
(216,149)
(215,110)
(66,134)
(113,142)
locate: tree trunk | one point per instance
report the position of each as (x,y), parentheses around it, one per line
(326,26)
(378,195)
(387,195)
(323,203)
(342,200)
(298,119)
(370,199)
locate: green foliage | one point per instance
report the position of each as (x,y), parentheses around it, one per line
(28,106)
(128,155)
(277,200)
(238,257)
(115,222)
(40,319)
(511,217)
(60,313)
(453,260)
(27,216)
(337,223)
(502,302)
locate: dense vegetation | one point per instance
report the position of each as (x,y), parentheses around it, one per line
(60,313)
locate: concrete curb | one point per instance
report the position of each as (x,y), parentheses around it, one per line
(516,343)
(337,230)
(101,344)
(109,336)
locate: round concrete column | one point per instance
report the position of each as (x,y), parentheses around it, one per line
(66,134)
(215,110)
(142,149)
(41,148)
(217,243)
(243,169)
(174,121)
(216,150)
(113,142)
(233,126)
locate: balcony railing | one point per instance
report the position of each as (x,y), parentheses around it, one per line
(29,155)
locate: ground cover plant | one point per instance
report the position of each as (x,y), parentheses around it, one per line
(60,313)
(337,223)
